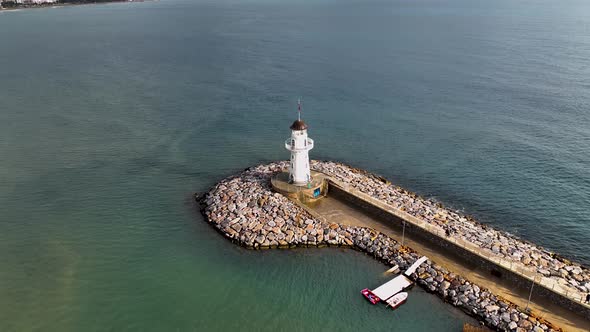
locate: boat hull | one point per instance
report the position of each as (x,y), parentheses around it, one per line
(397,300)
(372,298)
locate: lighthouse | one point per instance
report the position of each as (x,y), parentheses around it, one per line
(299,182)
(299,145)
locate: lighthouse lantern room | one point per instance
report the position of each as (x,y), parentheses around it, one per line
(299,145)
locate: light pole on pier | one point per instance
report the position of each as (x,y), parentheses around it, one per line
(530,294)
(403,231)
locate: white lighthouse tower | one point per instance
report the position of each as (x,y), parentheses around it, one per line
(299,145)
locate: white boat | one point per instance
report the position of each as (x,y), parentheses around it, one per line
(397,300)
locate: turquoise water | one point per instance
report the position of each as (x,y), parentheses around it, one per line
(111,116)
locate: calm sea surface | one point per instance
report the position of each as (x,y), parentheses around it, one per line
(111,116)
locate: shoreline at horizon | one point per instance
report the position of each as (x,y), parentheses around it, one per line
(69,4)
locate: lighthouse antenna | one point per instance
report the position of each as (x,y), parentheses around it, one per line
(299,109)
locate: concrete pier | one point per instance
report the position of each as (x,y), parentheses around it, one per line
(336,207)
(564,282)
(245,209)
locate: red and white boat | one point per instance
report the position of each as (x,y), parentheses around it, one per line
(397,300)
(374,299)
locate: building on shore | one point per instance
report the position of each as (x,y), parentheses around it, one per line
(27,2)
(39,2)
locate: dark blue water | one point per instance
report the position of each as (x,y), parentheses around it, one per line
(111,116)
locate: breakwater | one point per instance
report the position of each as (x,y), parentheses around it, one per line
(246,210)
(562,276)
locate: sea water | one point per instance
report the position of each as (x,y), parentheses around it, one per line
(112,116)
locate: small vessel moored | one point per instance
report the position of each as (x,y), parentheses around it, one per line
(397,285)
(397,300)
(374,299)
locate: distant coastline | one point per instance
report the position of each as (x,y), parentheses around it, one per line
(28,4)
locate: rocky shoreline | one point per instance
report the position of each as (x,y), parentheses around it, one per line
(245,209)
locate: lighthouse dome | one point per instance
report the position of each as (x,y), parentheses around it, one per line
(298,125)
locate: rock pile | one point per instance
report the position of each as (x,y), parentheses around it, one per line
(246,210)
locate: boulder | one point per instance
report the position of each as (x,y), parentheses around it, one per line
(260,239)
(525,324)
(492,308)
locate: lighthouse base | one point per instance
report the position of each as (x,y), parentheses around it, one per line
(311,192)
